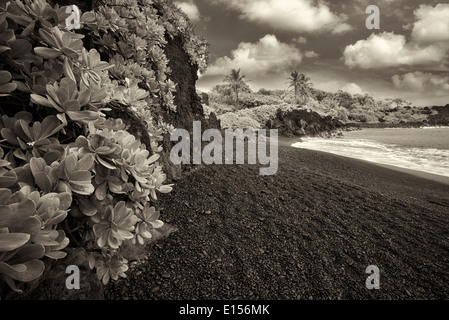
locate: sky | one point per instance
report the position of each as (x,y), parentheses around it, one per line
(407,57)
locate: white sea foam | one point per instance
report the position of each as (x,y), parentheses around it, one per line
(429,160)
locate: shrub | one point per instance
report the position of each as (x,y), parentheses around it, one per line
(69,175)
(234,121)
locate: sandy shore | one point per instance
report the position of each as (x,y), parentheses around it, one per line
(308,232)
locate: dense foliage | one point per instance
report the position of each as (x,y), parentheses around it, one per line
(350,109)
(69,174)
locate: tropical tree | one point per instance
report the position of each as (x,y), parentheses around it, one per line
(300,83)
(236,81)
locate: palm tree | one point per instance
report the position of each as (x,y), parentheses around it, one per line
(300,83)
(236,81)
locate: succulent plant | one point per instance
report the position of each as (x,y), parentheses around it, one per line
(36,140)
(67,99)
(60,43)
(74,173)
(64,155)
(18,224)
(148,220)
(7,177)
(92,65)
(107,179)
(103,149)
(6,87)
(111,267)
(115,226)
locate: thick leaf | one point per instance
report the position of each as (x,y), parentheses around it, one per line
(81,177)
(50,126)
(87,207)
(20,48)
(65,200)
(85,163)
(37,165)
(100,191)
(46,237)
(84,97)
(27,253)
(83,115)
(29,29)
(47,37)
(8,179)
(67,69)
(22,211)
(70,53)
(5,77)
(30,225)
(7,268)
(43,182)
(11,241)
(106,164)
(5,215)
(52,156)
(10,136)
(34,270)
(85,190)
(56,255)
(47,53)
(8,87)
(37,99)
(72,105)
(23,87)
(5,194)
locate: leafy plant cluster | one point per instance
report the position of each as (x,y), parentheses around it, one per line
(70,175)
(254,118)
(261,106)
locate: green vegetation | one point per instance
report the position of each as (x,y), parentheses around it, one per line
(70,173)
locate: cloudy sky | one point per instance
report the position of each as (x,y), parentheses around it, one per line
(408,57)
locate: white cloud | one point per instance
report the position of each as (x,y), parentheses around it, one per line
(429,43)
(391,50)
(256,59)
(300,40)
(311,54)
(190,9)
(432,24)
(290,15)
(352,88)
(341,28)
(422,82)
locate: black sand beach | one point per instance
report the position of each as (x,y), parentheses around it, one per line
(308,232)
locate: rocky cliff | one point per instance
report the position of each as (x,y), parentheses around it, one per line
(303,122)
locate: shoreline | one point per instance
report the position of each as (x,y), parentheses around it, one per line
(285,141)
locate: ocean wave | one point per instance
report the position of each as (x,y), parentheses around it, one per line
(428,160)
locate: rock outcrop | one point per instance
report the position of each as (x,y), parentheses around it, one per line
(441,118)
(303,122)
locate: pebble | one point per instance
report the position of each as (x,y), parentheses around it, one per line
(208,212)
(155,289)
